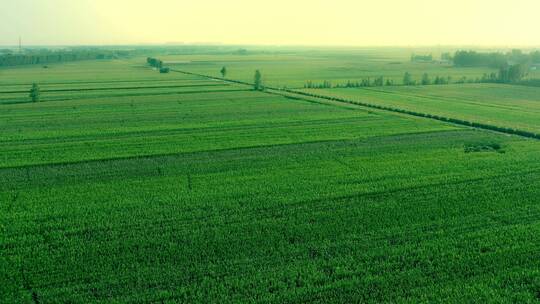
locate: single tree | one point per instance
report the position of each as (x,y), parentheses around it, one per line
(35,92)
(516,72)
(257,84)
(379,81)
(425,79)
(223,72)
(407,79)
(504,74)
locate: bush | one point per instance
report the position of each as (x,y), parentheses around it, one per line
(483,147)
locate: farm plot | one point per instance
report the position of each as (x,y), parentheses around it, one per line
(66,93)
(63,82)
(89,129)
(510,106)
(295,68)
(96,86)
(106,71)
(389,219)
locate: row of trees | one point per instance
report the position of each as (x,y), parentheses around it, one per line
(46,57)
(366,82)
(421,58)
(475,59)
(425,80)
(506,74)
(496,60)
(323,85)
(512,73)
(429,58)
(379,82)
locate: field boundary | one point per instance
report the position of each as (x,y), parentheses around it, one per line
(456,121)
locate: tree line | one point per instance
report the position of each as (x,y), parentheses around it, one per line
(46,57)
(495,59)
(365,82)
(469,58)
(379,82)
(506,74)
(421,58)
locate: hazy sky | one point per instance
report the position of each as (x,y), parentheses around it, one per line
(281,22)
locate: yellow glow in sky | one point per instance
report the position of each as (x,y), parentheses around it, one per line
(277,22)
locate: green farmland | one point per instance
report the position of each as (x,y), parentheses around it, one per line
(124,185)
(510,106)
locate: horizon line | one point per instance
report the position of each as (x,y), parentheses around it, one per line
(177,44)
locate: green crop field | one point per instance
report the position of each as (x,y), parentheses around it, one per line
(124,185)
(503,105)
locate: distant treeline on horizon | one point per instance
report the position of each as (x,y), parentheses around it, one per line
(29,56)
(45,56)
(494,59)
(483,59)
(461,58)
